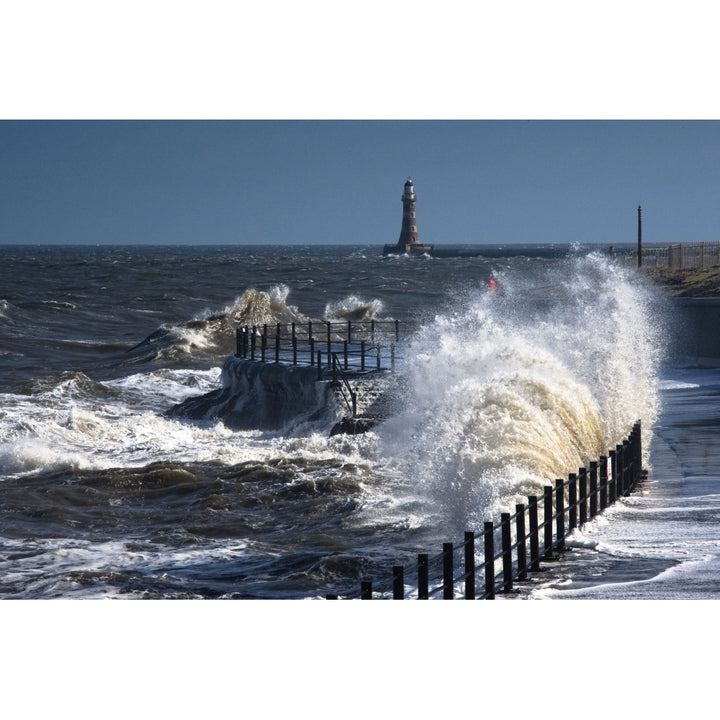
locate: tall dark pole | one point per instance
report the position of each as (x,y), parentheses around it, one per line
(639,236)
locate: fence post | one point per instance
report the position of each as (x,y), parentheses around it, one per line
(349,337)
(422,576)
(520,540)
(612,477)
(398,583)
(345,355)
(593,489)
(263,343)
(378,357)
(469,565)
(547,521)
(489,561)
(366,590)
(319,364)
(560,514)
(448,570)
(506,552)
(312,350)
(623,456)
(253,342)
(294,346)
(582,475)
(392,357)
(534,533)
(277,344)
(362,355)
(329,341)
(603,482)
(637,475)
(572,502)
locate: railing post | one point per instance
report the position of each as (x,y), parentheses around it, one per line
(622,455)
(312,350)
(392,357)
(253,342)
(521,541)
(294,346)
(448,571)
(547,521)
(397,331)
(560,514)
(263,343)
(534,533)
(612,478)
(582,475)
(372,331)
(593,489)
(329,340)
(362,355)
(366,590)
(349,334)
(398,583)
(506,552)
(423,576)
(345,355)
(378,357)
(469,565)
(572,502)
(489,561)
(319,364)
(277,344)
(637,475)
(603,482)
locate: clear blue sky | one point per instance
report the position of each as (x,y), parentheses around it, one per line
(275,182)
(246,179)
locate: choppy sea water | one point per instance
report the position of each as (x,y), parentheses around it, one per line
(105,496)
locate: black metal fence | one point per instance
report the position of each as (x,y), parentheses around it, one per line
(520,542)
(359,346)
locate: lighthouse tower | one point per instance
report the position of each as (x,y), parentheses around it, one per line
(409,241)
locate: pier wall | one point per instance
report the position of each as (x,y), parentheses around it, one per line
(694,331)
(262,395)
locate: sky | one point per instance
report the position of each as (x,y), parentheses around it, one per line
(340,182)
(298,123)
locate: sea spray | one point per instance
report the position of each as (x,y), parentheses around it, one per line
(521,386)
(353,308)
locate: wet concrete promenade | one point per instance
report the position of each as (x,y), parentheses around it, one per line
(664,541)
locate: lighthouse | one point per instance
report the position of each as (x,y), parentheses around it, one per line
(409,241)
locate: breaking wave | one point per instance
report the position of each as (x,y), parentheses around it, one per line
(517,388)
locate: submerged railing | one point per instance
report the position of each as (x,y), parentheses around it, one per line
(519,541)
(359,346)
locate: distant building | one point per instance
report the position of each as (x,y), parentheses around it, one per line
(409,241)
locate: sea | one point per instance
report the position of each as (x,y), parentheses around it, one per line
(106,494)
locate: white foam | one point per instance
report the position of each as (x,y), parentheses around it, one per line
(512,391)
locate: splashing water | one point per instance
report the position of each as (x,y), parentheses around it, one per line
(353,308)
(520,387)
